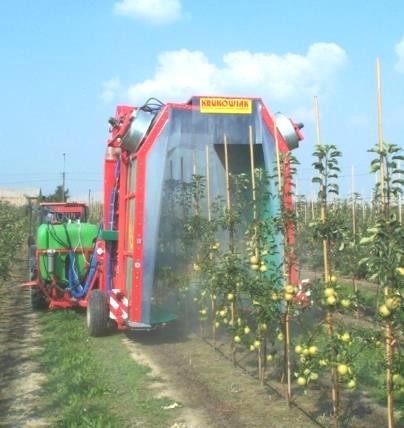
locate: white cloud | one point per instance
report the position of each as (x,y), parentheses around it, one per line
(153,11)
(280,78)
(179,74)
(111,88)
(399,48)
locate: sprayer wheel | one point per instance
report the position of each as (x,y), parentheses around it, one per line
(97,314)
(38,300)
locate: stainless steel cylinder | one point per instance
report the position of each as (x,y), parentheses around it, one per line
(50,255)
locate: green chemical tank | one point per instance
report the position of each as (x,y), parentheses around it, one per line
(53,243)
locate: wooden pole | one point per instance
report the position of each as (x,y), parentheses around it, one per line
(231,240)
(226,168)
(194,177)
(353,204)
(323,208)
(305,211)
(354,283)
(213,292)
(172,203)
(256,252)
(329,316)
(388,326)
(253,186)
(252,165)
(312,206)
(363,211)
(184,214)
(317,118)
(278,160)
(380,130)
(287,362)
(208,182)
(193,163)
(400,214)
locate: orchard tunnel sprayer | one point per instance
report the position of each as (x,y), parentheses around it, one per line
(154,157)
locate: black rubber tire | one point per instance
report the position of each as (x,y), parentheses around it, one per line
(38,300)
(97,314)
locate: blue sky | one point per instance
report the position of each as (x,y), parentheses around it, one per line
(66,64)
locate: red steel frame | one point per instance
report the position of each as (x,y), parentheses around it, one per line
(66,207)
(123,118)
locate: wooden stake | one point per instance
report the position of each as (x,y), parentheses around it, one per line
(263,348)
(187,311)
(231,241)
(326,255)
(305,211)
(380,130)
(256,252)
(363,211)
(252,164)
(253,187)
(212,297)
(226,168)
(208,182)
(389,374)
(388,326)
(260,365)
(286,348)
(323,208)
(193,163)
(195,177)
(400,214)
(278,160)
(317,117)
(354,283)
(312,207)
(353,204)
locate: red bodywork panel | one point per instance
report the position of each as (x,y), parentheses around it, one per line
(65,207)
(79,210)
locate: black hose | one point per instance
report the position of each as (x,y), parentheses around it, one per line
(152,105)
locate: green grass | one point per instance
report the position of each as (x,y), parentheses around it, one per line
(93,382)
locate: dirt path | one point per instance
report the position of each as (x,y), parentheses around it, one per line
(210,392)
(213,393)
(20,378)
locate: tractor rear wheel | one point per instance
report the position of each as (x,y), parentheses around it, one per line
(97,314)
(38,300)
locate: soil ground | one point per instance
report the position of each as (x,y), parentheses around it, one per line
(232,396)
(209,389)
(20,377)
(207,379)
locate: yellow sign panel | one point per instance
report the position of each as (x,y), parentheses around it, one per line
(225,105)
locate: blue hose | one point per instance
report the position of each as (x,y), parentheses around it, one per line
(111,219)
(75,288)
